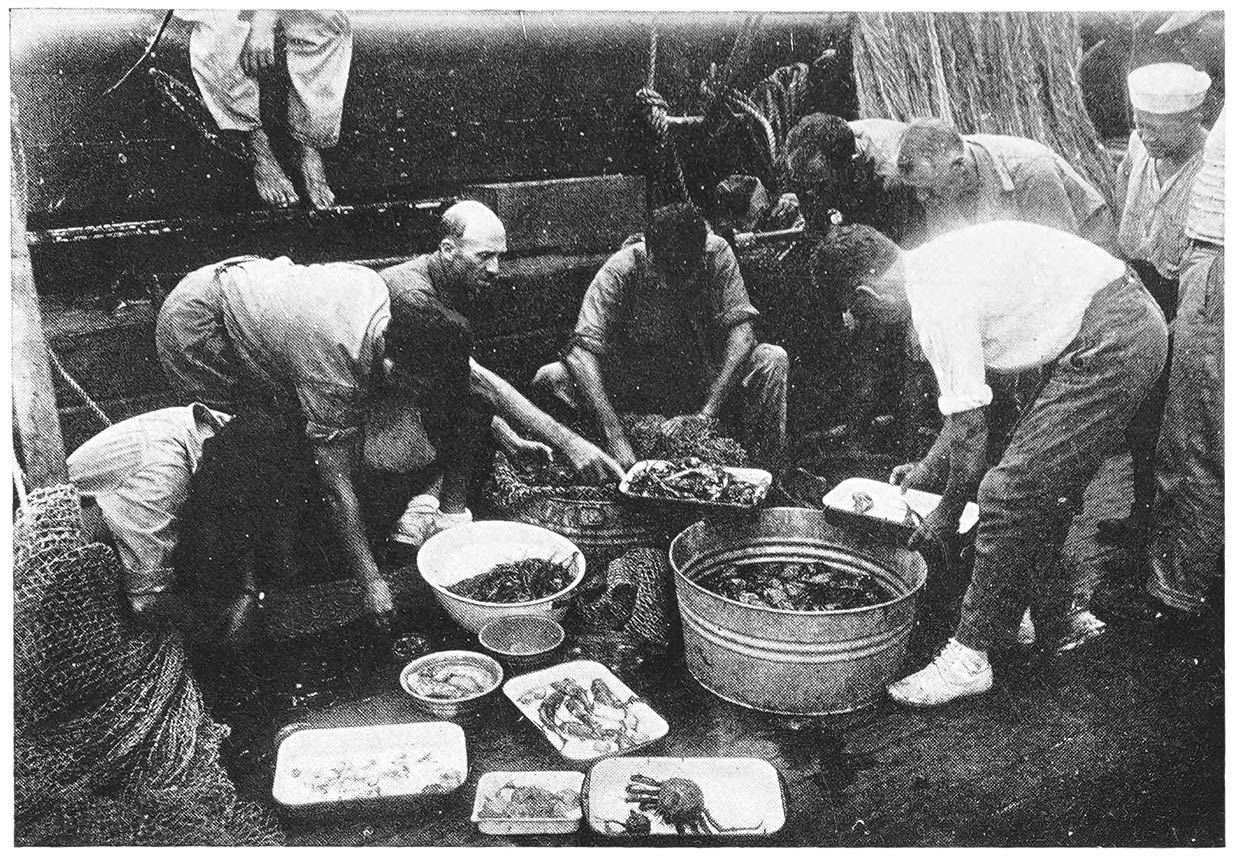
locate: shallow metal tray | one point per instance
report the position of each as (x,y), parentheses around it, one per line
(744,797)
(761,479)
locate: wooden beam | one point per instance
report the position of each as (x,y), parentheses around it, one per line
(37,421)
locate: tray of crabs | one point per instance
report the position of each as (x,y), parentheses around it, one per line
(655,796)
(585,711)
(691,482)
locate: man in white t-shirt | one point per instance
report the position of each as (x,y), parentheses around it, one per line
(989,302)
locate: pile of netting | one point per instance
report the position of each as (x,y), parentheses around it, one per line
(112,744)
(985,73)
(651,436)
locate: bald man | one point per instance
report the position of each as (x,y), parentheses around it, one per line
(467,259)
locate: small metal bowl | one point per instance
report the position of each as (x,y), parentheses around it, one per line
(450,708)
(522,641)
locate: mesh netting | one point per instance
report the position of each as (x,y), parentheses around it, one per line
(113,745)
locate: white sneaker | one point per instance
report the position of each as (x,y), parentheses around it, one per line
(957,671)
(418,522)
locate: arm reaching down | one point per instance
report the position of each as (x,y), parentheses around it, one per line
(512,406)
(738,346)
(963,440)
(585,368)
(337,463)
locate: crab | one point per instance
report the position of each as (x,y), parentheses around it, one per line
(678,801)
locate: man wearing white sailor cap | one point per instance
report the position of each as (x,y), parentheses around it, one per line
(1164,154)
(1154,180)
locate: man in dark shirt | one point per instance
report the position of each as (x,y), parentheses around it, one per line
(468,258)
(666,325)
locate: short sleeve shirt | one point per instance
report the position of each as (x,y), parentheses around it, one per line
(1151,227)
(1004,296)
(1024,180)
(629,316)
(311,334)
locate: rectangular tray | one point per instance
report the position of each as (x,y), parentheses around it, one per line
(529,693)
(554,781)
(889,508)
(761,479)
(343,759)
(744,795)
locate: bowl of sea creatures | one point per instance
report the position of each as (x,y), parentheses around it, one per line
(487,569)
(447,684)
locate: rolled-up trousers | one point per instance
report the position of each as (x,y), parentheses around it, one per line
(319,57)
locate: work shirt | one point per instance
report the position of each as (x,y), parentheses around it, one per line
(1019,179)
(412,282)
(1207,204)
(635,325)
(309,334)
(1004,296)
(878,141)
(138,472)
(1151,226)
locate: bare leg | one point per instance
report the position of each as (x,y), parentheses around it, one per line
(273,185)
(313,171)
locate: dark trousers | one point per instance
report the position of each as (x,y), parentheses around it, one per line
(1028,499)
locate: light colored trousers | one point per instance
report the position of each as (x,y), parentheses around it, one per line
(319,57)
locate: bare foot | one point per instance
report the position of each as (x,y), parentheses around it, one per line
(314,173)
(273,185)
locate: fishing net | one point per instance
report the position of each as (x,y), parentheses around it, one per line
(113,744)
(636,598)
(1012,73)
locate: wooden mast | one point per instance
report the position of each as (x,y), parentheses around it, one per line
(36,420)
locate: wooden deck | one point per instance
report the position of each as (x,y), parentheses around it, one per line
(1118,743)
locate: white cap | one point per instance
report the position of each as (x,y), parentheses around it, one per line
(1167,87)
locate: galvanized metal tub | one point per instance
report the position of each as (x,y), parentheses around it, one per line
(786,661)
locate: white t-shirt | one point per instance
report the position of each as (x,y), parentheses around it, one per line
(1004,296)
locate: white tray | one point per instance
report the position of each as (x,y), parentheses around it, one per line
(530,692)
(890,503)
(402,760)
(554,781)
(743,796)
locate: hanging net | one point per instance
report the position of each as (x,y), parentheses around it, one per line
(113,745)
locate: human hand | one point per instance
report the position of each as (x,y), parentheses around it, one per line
(590,460)
(902,475)
(257,56)
(378,602)
(787,206)
(939,524)
(532,450)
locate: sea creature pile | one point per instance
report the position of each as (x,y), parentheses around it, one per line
(593,716)
(393,772)
(694,480)
(651,436)
(804,586)
(676,801)
(450,681)
(515,801)
(522,580)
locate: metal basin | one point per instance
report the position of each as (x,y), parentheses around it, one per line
(787,661)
